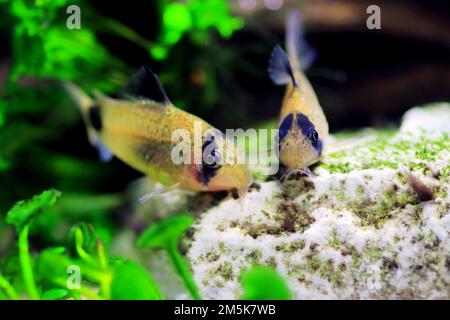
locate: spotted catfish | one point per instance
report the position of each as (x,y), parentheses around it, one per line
(303,128)
(138,126)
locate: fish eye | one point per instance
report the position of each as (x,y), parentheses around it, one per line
(314,136)
(213,160)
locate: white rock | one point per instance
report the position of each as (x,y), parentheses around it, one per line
(358,230)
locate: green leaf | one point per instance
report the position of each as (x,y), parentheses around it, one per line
(24,211)
(133,282)
(7,288)
(263,283)
(165,233)
(182,268)
(55,294)
(26,263)
(53,265)
(116,262)
(194,17)
(88,238)
(57,269)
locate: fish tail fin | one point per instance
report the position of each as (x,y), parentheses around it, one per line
(82,100)
(91,116)
(84,103)
(300,53)
(299,56)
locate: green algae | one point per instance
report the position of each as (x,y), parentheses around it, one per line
(211,256)
(254,256)
(397,151)
(291,247)
(225,270)
(335,243)
(271,262)
(373,254)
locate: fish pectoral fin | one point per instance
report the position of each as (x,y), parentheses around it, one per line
(144,198)
(280,69)
(104,153)
(333,147)
(145,85)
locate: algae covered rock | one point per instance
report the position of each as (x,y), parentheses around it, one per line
(373,223)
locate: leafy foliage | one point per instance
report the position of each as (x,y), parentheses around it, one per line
(263,283)
(24,211)
(166,235)
(45,275)
(44,48)
(55,294)
(195,17)
(132,281)
(117,278)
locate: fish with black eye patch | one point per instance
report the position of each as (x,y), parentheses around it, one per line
(211,160)
(303,127)
(137,126)
(298,142)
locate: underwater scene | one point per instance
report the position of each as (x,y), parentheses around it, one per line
(224,150)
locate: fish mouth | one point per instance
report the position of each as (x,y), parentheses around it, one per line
(231,182)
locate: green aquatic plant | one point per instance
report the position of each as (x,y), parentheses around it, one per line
(195,17)
(82,268)
(264,283)
(43,53)
(132,281)
(9,290)
(43,47)
(166,235)
(21,216)
(45,275)
(399,151)
(116,277)
(23,212)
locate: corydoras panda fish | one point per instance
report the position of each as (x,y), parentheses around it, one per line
(303,128)
(137,128)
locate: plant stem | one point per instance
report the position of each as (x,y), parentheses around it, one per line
(182,269)
(10,291)
(82,290)
(128,33)
(25,263)
(105,285)
(79,247)
(105,280)
(101,254)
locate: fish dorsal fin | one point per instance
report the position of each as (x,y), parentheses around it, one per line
(145,85)
(301,54)
(280,70)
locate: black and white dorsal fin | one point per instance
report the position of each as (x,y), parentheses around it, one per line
(145,85)
(280,69)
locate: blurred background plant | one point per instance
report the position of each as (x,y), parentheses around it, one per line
(211,55)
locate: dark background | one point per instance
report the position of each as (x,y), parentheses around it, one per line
(362,77)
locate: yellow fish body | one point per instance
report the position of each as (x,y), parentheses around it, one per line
(303,127)
(138,130)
